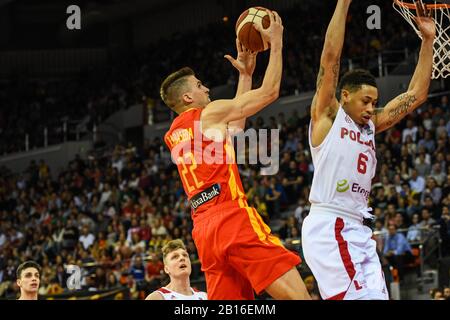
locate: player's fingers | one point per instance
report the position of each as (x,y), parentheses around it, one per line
(419,8)
(229,58)
(237,44)
(274,15)
(257,26)
(429,11)
(416,4)
(277,17)
(424,9)
(271,16)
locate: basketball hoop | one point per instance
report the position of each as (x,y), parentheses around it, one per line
(441,17)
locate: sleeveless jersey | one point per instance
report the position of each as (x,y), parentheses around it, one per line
(203,164)
(172,295)
(344,165)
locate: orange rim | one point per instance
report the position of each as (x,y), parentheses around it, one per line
(412,6)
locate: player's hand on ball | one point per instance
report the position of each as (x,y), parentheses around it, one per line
(274,33)
(245,61)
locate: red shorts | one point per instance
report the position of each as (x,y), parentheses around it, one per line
(238,253)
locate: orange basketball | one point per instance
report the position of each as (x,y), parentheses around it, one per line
(246,32)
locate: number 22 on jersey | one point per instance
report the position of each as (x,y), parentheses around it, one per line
(189,171)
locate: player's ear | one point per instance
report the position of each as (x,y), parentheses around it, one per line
(166,270)
(187,98)
(345,95)
(19,282)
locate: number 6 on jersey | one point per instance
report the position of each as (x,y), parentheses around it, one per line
(362,163)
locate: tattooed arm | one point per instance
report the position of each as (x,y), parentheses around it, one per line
(395,110)
(324,105)
(417,92)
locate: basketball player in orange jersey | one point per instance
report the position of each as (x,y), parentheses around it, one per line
(237,251)
(177,265)
(337,242)
(28,279)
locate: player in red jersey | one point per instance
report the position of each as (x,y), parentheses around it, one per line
(236,248)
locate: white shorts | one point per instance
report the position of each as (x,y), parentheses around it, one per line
(342,256)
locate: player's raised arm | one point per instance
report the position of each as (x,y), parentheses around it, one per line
(249,103)
(417,93)
(324,102)
(245,63)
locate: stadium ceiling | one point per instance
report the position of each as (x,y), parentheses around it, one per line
(98,10)
(3,2)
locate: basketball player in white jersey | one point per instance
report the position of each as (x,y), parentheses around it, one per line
(178,266)
(336,240)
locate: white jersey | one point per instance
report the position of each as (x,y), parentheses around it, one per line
(172,295)
(344,165)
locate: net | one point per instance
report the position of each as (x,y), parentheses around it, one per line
(441,16)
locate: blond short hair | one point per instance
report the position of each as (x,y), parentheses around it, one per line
(172,246)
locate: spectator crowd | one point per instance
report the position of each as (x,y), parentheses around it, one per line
(112,212)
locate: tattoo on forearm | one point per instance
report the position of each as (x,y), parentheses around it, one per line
(335,77)
(320,78)
(336,73)
(402,109)
(378,111)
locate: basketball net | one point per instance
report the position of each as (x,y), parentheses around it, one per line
(441,16)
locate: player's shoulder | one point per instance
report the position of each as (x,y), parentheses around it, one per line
(184,121)
(157,294)
(187,115)
(163,290)
(216,110)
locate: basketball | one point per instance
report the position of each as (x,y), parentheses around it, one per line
(246,32)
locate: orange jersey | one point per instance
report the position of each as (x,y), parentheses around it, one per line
(203,164)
